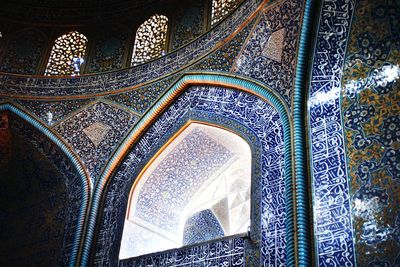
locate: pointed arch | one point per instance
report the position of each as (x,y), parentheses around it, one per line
(72,158)
(189,171)
(246,88)
(150,39)
(66,49)
(221,8)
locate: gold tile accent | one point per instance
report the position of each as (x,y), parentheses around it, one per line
(96,132)
(274,48)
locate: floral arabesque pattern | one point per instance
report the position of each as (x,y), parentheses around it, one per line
(109,51)
(371,97)
(117,121)
(253,60)
(51,112)
(211,104)
(23,53)
(139,100)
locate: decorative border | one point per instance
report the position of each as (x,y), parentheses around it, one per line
(333,230)
(231,249)
(173,62)
(204,117)
(299,137)
(84,177)
(162,104)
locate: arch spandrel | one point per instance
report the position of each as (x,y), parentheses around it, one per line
(68,164)
(188,93)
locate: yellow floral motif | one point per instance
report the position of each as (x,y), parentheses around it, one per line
(372,34)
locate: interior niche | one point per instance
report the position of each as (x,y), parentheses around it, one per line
(33,205)
(195,189)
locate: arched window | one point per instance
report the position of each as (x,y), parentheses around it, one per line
(150,39)
(221,8)
(67,54)
(197,188)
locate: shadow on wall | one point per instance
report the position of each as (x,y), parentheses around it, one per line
(33,204)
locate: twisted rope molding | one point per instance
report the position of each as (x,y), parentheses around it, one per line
(300,155)
(186,81)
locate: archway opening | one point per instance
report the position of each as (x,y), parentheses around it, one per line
(33,202)
(195,189)
(67,54)
(150,39)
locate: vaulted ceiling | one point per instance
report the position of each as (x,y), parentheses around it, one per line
(73,11)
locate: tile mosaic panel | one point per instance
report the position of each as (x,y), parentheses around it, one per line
(97,132)
(33,207)
(23,52)
(51,112)
(215,105)
(274,47)
(70,176)
(174,170)
(202,226)
(227,252)
(109,51)
(72,12)
(139,100)
(333,231)
(370,105)
(129,77)
(223,58)
(270,53)
(189,22)
(93,146)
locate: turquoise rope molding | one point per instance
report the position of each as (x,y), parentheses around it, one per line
(300,157)
(76,163)
(207,79)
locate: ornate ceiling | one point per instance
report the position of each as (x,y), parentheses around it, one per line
(72,11)
(79,3)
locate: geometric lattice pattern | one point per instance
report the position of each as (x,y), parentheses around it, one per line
(96,132)
(66,48)
(221,8)
(150,39)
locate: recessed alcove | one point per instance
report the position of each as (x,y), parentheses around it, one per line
(33,205)
(195,189)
